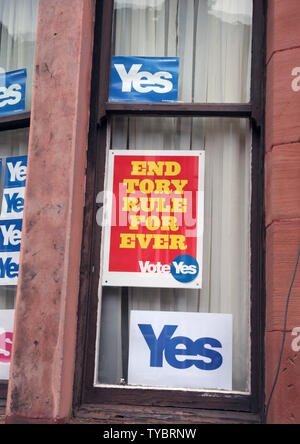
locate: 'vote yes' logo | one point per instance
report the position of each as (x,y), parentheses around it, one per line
(144,79)
(184,268)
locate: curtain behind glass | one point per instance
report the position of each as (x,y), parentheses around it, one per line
(227,145)
(212,39)
(18,19)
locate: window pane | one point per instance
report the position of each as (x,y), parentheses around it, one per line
(18,19)
(227,143)
(12,144)
(212,39)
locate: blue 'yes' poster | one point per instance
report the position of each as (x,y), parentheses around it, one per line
(11,218)
(15,172)
(12,92)
(144,79)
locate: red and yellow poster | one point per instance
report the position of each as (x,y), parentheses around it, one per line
(155,212)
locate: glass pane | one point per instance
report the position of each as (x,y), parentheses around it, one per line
(227,145)
(12,144)
(18,20)
(212,39)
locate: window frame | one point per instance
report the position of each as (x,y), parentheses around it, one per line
(7,123)
(84,391)
(15,121)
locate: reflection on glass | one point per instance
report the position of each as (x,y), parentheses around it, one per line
(12,143)
(18,20)
(227,144)
(212,38)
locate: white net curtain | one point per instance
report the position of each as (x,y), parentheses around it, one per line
(18,19)
(212,38)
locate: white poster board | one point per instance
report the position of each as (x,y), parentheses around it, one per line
(182,350)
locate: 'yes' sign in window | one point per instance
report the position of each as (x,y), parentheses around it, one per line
(144,79)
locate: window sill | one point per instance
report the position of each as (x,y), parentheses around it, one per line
(2,410)
(128,414)
(14,121)
(180,109)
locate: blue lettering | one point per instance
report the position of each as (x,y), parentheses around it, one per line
(213,355)
(156,346)
(172,351)
(181,346)
(8,268)
(14,203)
(12,91)
(146,79)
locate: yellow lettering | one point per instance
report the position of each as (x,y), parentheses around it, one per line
(179,205)
(177,242)
(153,223)
(155,168)
(130,185)
(158,241)
(147,186)
(129,204)
(162,186)
(179,185)
(169,223)
(161,242)
(127,240)
(155,204)
(162,206)
(135,221)
(144,240)
(172,169)
(151,168)
(147,204)
(138,168)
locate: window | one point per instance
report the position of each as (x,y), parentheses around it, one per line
(219,110)
(18,20)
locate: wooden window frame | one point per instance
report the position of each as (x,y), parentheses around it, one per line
(15,121)
(100,399)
